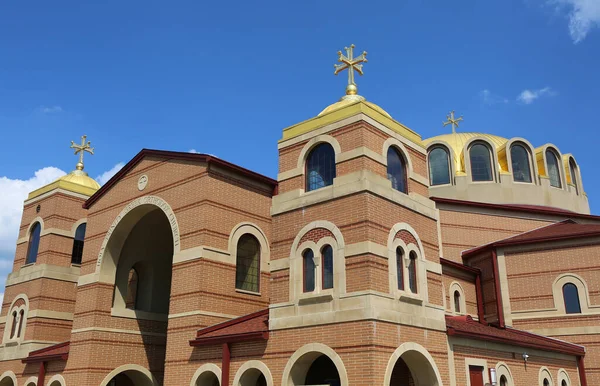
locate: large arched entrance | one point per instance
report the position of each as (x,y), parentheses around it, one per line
(8,379)
(207,379)
(412,365)
(129,375)
(315,364)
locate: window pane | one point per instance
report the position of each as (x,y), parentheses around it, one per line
(320,167)
(14,324)
(132,287)
(503,381)
(457,301)
(247,264)
(481,164)
(21,317)
(77,253)
(400,267)
(573,172)
(396,170)
(309,270)
(553,170)
(439,166)
(327,254)
(34,244)
(412,273)
(520,163)
(571,297)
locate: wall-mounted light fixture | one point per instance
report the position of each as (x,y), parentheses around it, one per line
(493,376)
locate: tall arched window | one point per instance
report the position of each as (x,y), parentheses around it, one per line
(308,263)
(553,169)
(320,167)
(13,328)
(520,163)
(571,297)
(34,243)
(412,272)
(573,173)
(132,289)
(457,302)
(21,317)
(400,267)
(77,253)
(396,170)
(327,254)
(481,163)
(503,381)
(439,166)
(247,272)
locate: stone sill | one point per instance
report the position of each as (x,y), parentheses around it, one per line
(412,299)
(315,299)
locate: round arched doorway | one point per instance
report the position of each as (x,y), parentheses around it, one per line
(130,377)
(253,377)
(412,365)
(322,367)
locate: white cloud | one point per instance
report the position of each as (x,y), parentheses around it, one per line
(193,151)
(583,16)
(489,98)
(107,175)
(529,96)
(51,109)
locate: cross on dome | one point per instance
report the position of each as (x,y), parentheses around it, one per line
(352,64)
(81,149)
(452,121)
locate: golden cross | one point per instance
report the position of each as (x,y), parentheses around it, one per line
(352,64)
(452,121)
(81,149)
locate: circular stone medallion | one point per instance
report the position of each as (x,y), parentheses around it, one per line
(142,182)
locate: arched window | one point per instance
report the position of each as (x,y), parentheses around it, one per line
(412,272)
(320,167)
(396,170)
(400,267)
(132,289)
(481,163)
(457,302)
(439,166)
(553,169)
(520,163)
(34,243)
(571,297)
(503,381)
(247,272)
(308,270)
(13,328)
(573,173)
(563,383)
(21,317)
(546,382)
(78,244)
(327,254)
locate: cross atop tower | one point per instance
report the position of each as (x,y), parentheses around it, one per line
(81,149)
(452,121)
(352,64)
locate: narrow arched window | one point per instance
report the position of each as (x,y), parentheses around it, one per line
(439,166)
(571,297)
(520,163)
(13,328)
(247,272)
(21,318)
(573,173)
(503,381)
(563,383)
(34,243)
(327,253)
(457,302)
(400,267)
(553,169)
(412,272)
(320,167)
(308,269)
(481,163)
(396,170)
(132,289)
(77,253)
(546,382)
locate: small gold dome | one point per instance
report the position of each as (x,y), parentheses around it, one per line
(80,177)
(349,100)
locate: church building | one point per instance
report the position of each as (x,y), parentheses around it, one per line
(376,257)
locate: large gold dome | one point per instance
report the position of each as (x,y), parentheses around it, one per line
(77,181)
(348,101)
(81,178)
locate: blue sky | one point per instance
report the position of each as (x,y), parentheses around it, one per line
(226,77)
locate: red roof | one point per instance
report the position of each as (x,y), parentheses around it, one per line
(57,352)
(253,326)
(465,326)
(567,229)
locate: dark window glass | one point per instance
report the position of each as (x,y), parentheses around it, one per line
(247,273)
(571,297)
(400,267)
(21,317)
(396,170)
(546,382)
(78,244)
(456,301)
(309,270)
(327,253)
(34,243)
(13,328)
(481,163)
(553,169)
(412,272)
(439,166)
(503,381)
(573,173)
(563,383)
(520,163)
(320,167)
(132,289)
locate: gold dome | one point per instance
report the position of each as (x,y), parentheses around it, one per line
(350,99)
(77,181)
(81,178)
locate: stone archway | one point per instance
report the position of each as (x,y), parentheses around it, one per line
(8,379)
(129,375)
(412,365)
(315,364)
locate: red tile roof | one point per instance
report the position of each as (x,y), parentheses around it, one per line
(57,352)
(253,326)
(465,326)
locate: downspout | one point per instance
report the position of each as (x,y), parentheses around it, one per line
(42,374)
(581,368)
(479,295)
(226,360)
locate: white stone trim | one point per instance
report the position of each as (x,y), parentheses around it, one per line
(27,235)
(323,138)
(202,313)
(477,362)
(533,167)
(9,320)
(563,376)
(423,377)
(130,367)
(582,291)
(76,225)
(503,369)
(36,271)
(455,286)
(493,159)
(206,368)
(318,349)
(57,378)
(451,159)
(118,331)
(53,191)
(265,251)
(11,375)
(544,372)
(561,165)
(253,364)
